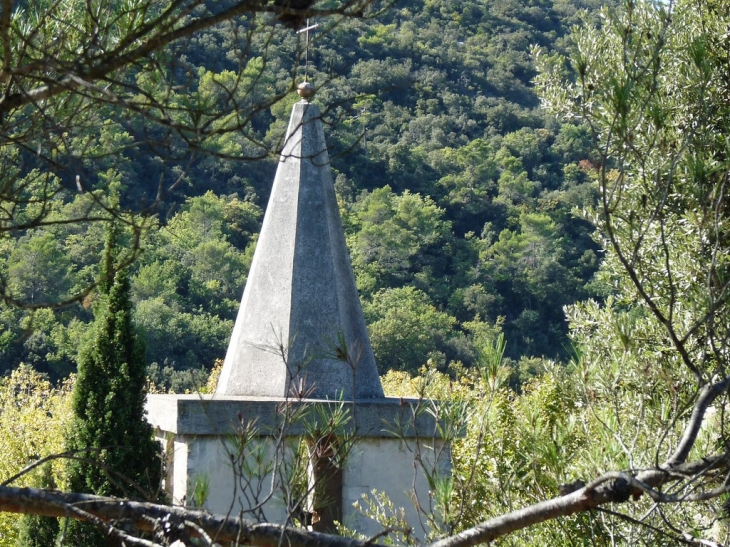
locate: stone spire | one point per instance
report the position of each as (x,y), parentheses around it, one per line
(300,296)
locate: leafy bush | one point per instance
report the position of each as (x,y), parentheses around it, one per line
(33,417)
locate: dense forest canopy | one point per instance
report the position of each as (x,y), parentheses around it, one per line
(457,192)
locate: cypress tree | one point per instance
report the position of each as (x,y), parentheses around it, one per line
(123,459)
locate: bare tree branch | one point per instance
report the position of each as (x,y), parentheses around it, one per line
(612,487)
(708,394)
(143,516)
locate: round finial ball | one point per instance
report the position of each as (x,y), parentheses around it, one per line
(305,90)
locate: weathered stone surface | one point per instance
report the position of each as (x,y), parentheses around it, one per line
(389,465)
(398,468)
(395,443)
(300,302)
(209,415)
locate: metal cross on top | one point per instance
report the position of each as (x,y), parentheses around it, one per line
(306,47)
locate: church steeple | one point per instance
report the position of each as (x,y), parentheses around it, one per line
(301,295)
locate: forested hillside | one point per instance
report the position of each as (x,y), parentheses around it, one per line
(457,192)
(476,225)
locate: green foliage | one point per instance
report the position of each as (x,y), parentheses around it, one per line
(120,455)
(187,286)
(108,403)
(39,269)
(406,329)
(34,417)
(566,424)
(36,531)
(511,450)
(646,83)
(660,123)
(395,236)
(454,153)
(468,213)
(378,507)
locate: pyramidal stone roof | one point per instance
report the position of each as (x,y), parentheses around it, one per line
(300,328)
